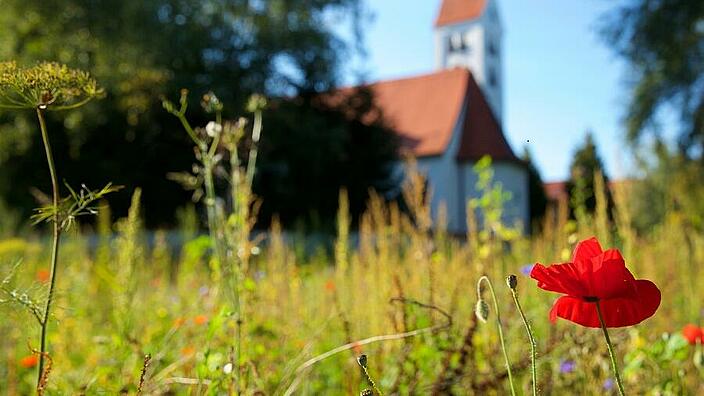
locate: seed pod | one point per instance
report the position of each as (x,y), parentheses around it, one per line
(512,281)
(482,310)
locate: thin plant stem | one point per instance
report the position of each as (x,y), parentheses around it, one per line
(534,372)
(301,369)
(253,150)
(612,355)
(234,189)
(56,235)
(371,381)
(499,327)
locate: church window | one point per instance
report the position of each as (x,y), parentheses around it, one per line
(457,43)
(493,81)
(491,47)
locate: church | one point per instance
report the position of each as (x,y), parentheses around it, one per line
(452,117)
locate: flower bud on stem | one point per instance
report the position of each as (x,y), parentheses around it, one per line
(362,360)
(512,283)
(498,324)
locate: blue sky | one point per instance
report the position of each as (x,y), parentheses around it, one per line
(561,80)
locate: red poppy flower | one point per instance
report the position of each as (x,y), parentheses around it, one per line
(43,275)
(596,275)
(330,286)
(693,334)
(29,361)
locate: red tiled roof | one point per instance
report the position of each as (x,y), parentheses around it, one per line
(424,112)
(481,133)
(556,191)
(454,11)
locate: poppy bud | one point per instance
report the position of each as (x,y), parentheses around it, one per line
(482,310)
(512,281)
(362,360)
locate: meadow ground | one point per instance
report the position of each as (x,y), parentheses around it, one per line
(126,296)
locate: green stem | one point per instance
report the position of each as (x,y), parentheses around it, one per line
(215,227)
(499,326)
(55,244)
(534,371)
(612,355)
(371,382)
(252,161)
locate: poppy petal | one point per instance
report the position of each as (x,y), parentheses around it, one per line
(607,277)
(560,278)
(617,312)
(586,250)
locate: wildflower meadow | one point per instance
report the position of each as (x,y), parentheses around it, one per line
(398,306)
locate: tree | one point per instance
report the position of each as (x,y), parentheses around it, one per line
(314,148)
(585,164)
(141,49)
(536,191)
(663,42)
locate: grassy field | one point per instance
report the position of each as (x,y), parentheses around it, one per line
(386,309)
(307,316)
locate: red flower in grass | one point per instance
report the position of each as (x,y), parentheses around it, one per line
(597,276)
(29,361)
(43,275)
(200,319)
(693,334)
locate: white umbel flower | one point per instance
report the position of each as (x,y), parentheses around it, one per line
(213,129)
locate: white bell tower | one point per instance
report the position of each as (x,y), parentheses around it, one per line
(468,33)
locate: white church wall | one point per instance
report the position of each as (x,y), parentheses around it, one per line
(437,172)
(513,178)
(442,175)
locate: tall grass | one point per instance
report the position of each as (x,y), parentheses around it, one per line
(129,298)
(229,313)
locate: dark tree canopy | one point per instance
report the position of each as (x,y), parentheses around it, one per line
(536,191)
(663,42)
(312,150)
(141,49)
(585,164)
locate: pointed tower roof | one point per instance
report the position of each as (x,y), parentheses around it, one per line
(454,11)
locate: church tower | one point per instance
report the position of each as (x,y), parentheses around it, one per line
(468,34)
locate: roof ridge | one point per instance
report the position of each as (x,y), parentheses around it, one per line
(407,78)
(457,11)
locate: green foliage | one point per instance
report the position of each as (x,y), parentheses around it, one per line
(78,203)
(670,188)
(311,150)
(536,191)
(26,299)
(586,163)
(490,204)
(663,42)
(276,47)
